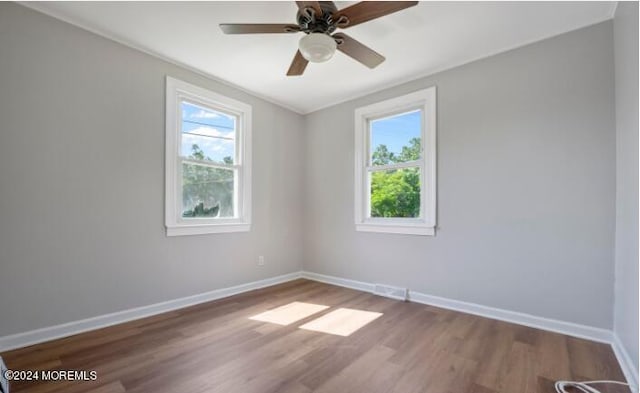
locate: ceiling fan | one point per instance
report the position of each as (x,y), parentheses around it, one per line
(319,20)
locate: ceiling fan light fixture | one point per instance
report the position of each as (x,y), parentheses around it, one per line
(317,47)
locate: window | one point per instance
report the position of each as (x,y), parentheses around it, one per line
(395,169)
(208,161)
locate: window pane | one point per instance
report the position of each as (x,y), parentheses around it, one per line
(207,134)
(207,192)
(395,193)
(396,138)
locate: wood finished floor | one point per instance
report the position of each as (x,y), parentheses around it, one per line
(215,347)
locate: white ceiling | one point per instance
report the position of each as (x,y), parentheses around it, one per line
(418,41)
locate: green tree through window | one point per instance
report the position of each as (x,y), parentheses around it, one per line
(396,192)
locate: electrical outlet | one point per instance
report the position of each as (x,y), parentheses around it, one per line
(4,384)
(261,260)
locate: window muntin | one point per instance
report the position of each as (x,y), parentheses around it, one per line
(395,165)
(208,187)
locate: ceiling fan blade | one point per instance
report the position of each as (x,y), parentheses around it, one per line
(367,10)
(358,51)
(298,65)
(258,28)
(313,4)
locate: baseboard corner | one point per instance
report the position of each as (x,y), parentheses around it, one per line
(339,281)
(626,364)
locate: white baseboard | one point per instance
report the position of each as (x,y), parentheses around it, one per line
(626,364)
(568,328)
(68,329)
(341,282)
(553,325)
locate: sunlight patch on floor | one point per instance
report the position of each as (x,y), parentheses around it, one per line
(289,313)
(341,322)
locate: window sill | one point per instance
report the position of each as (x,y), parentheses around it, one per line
(397,229)
(183,230)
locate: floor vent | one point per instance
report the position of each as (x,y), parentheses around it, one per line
(4,384)
(392,292)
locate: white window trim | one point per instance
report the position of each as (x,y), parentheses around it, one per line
(426,101)
(176,91)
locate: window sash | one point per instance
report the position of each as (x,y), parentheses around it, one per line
(393,113)
(237,188)
(238,128)
(423,189)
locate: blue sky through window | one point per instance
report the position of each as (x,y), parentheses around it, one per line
(395,131)
(214,132)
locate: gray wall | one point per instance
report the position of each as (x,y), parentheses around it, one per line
(82,182)
(626,93)
(526,185)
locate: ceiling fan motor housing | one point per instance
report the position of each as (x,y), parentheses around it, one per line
(310,22)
